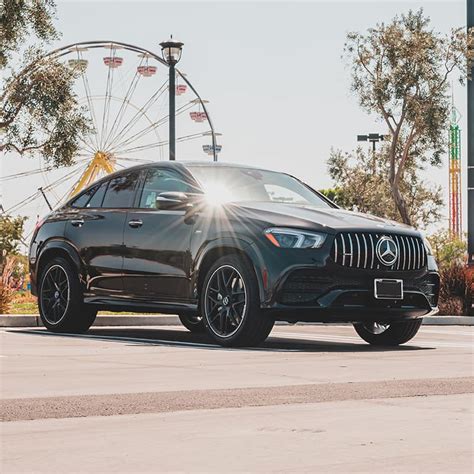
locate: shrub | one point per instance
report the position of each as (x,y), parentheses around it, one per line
(7,284)
(456,289)
(448,249)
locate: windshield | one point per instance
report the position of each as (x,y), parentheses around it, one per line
(227,184)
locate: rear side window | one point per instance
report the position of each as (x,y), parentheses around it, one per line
(96,200)
(121,191)
(83,199)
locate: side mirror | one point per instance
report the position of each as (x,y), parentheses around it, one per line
(172,200)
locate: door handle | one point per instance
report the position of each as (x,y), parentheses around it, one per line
(135,223)
(77,222)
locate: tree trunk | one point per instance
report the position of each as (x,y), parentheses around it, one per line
(400,203)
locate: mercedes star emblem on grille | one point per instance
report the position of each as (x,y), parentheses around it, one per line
(387,251)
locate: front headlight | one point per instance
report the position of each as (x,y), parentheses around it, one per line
(426,243)
(294,238)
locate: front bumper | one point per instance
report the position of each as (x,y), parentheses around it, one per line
(309,286)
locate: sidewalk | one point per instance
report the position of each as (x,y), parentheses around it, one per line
(31,320)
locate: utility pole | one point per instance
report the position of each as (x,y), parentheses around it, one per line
(470,154)
(470,147)
(45,198)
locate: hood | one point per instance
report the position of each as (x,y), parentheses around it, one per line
(330,220)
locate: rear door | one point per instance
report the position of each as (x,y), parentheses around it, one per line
(157,258)
(95,227)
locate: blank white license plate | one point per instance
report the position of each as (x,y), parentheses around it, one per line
(387,289)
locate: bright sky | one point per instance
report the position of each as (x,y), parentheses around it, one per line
(273,73)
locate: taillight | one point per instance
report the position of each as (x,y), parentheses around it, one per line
(39,223)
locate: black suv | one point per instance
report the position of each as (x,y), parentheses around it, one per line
(230,249)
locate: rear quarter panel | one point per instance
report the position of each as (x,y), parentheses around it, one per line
(52,228)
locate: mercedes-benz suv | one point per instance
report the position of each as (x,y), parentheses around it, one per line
(230,249)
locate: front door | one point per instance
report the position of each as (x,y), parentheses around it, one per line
(157,258)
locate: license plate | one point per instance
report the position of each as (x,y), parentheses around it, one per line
(388,289)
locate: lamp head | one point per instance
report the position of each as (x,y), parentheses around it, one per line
(171,50)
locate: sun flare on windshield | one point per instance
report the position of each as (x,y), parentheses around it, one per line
(217,193)
(225,184)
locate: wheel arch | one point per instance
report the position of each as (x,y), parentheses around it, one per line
(58,248)
(220,249)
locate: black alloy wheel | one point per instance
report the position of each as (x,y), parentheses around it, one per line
(392,334)
(226,301)
(60,299)
(54,294)
(230,304)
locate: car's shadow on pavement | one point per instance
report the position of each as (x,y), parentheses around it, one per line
(185,339)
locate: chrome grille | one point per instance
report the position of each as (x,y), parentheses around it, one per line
(357,250)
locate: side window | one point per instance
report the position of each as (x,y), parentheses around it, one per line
(121,191)
(83,199)
(159,181)
(96,200)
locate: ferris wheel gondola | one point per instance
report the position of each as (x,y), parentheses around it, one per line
(146,71)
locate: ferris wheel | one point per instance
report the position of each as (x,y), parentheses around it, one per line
(124,92)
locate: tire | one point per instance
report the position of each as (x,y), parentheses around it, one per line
(393,335)
(60,299)
(240,321)
(193,323)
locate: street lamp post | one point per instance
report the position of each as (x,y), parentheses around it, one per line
(171,51)
(372,138)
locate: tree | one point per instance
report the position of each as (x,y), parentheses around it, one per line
(39,109)
(11,231)
(338,196)
(361,182)
(20,18)
(400,72)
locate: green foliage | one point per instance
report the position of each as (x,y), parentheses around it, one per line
(400,72)
(448,250)
(362,182)
(21,19)
(39,110)
(337,196)
(11,231)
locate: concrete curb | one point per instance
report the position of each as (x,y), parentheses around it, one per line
(33,320)
(449,321)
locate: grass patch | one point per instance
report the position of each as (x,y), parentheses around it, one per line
(25,303)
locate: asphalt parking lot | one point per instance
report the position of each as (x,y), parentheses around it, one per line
(313,398)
